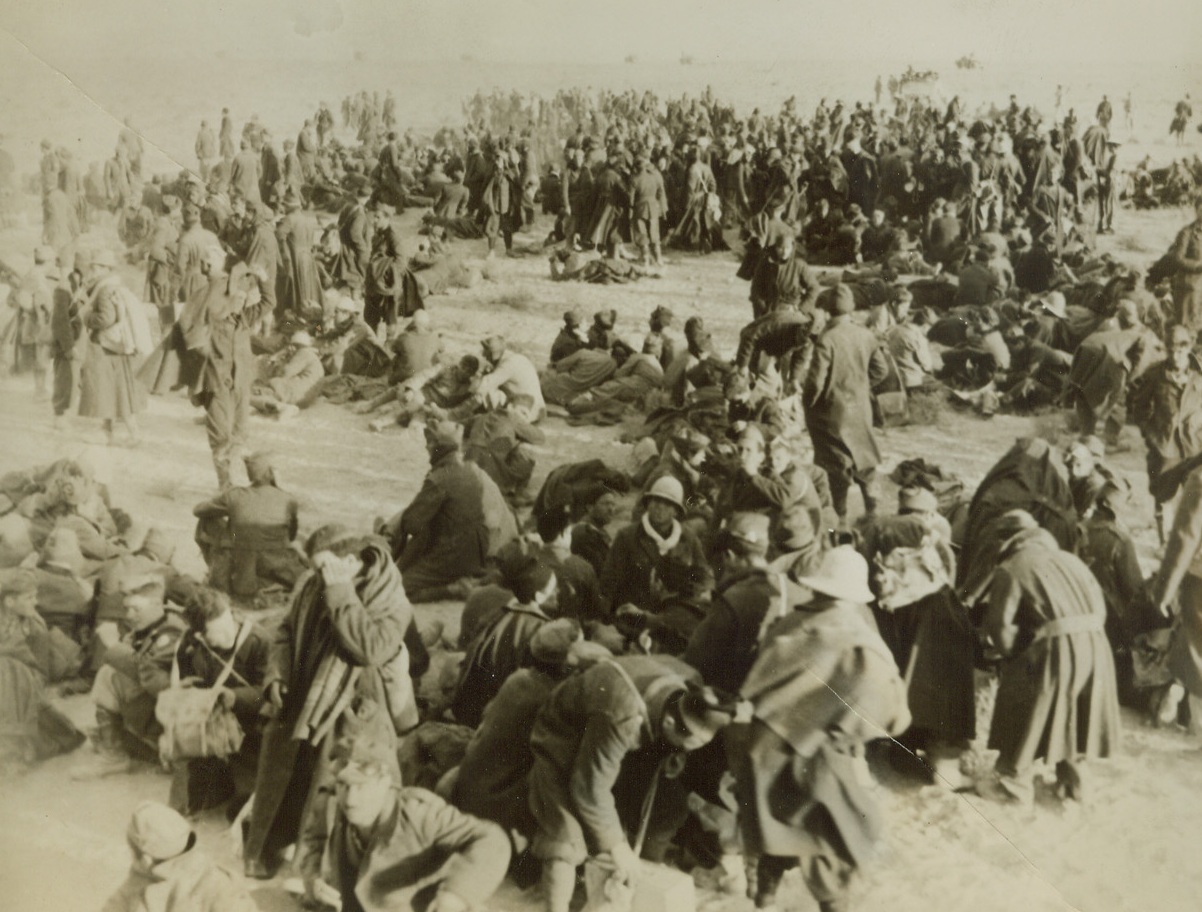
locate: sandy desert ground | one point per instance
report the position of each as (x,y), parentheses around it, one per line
(1131,848)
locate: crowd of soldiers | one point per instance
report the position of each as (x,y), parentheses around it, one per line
(703,687)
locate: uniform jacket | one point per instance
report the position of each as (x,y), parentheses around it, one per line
(422,846)
(442,535)
(627,574)
(589,725)
(847,363)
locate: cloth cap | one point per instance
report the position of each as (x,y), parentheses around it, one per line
(19,582)
(494,347)
(142,583)
(261,464)
(750,530)
(1114,496)
(667,488)
(443,437)
(794,530)
(843,574)
(43,254)
(525,575)
(702,712)
(916,500)
(367,759)
(158,831)
(328,537)
(300,337)
(346,304)
(663,315)
(62,550)
(753,434)
(844,302)
(606,318)
(573,318)
(552,642)
(83,259)
(1093,444)
(292,200)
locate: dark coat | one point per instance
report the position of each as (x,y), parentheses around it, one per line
(1057,697)
(361,628)
(627,574)
(442,535)
(498,651)
(823,685)
(492,776)
(1179,583)
(581,737)
(260,523)
(847,363)
(725,643)
(354,250)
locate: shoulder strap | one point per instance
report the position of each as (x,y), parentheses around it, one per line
(625,675)
(243,632)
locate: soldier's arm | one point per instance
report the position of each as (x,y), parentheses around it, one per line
(478,850)
(605,744)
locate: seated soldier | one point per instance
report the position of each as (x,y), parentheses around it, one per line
(682,602)
(415,350)
(502,645)
(170,873)
(348,345)
(216,638)
(499,442)
(30,728)
(508,373)
(252,529)
(292,381)
(136,669)
(373,844)
(450,388)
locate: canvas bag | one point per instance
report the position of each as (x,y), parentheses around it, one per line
(194,723)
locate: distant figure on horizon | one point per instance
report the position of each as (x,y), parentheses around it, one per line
(1128,117)
(1181,117)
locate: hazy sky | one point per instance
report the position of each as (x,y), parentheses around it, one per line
(1168,31)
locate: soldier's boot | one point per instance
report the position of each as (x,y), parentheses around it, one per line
(112,758)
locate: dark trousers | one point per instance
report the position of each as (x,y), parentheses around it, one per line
(227,413)
(66,383)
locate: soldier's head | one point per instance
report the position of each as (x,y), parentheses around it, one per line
(692,716)
(19,595)
(157,833)
(211,616)
(1180,344)
(366,782)
(144,598)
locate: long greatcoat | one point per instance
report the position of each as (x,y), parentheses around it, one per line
(442,535)
(1057,697)
(359,628)
(847,363)
(1180,580)
(299,286)
(823,684)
